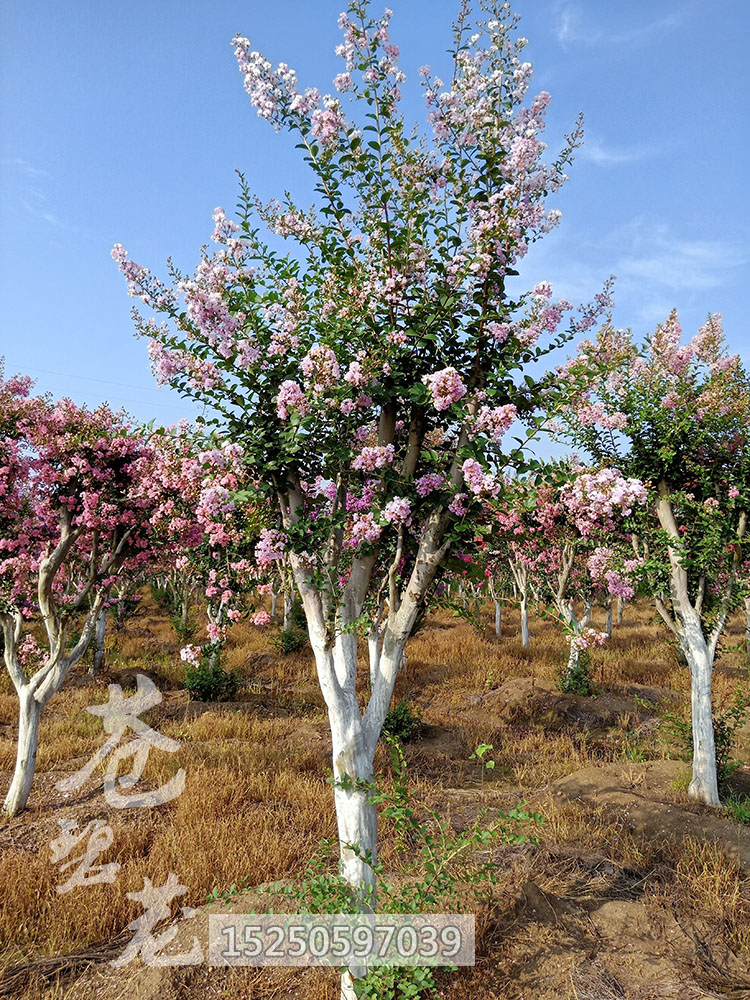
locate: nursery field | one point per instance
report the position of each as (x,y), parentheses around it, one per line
(622,887)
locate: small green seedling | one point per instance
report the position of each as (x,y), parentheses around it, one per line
(480,754)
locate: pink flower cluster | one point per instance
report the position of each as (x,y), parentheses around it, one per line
(493,422)
(291,399)
(593,498)
(605,567)
(479,481)
(587,638)
(446,387)
(271,547)
(320,369)
(398,512)
(328,122)
(429,482)
(191,654)
(364,529)
(375,457)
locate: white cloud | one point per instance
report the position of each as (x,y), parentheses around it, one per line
(650,252)
(604,155)
(656,270)
(22,166)
(570,27)
(28,188)
(39,212)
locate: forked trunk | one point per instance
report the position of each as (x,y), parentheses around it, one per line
(688,628)
(30,712)
(353,755)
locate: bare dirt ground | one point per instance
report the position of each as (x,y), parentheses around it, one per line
(627,889)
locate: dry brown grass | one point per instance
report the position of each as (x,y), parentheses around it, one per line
(256,800)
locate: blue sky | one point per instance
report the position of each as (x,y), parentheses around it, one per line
(125,123)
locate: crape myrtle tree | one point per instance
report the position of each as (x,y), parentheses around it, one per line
(371,373)
(77,488)
(506,547)
(208,523)
(566,533)
(677,416)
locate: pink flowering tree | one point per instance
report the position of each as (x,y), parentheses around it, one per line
(509,558)
(565,533)
(208,523)
(371,374)
(77,488)
(676,416)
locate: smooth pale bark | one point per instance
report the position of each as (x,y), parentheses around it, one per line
(63,655)
(354,740)
(700,650)
(574,657)
(288,609)
(576,626)
(274,602)
(30,712)
(35,691)
(101,628)
(520,573)
(498,619)
(355,734)
(374,639)
(704,783)
(620,610)
(182,589)
(524,622)
(185,612)
(609,619)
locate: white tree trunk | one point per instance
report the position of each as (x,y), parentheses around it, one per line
(576,626)
(620,609)
(573,658)
(274,602)
(524,622)
(374,639)
(185,612)
(30,712)
(704,785)
(498,619)
(101,628)
(699,652)
(609,618)
(288,609)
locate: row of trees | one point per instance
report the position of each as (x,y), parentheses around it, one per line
(372,372)
(91,508)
